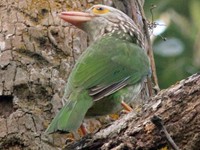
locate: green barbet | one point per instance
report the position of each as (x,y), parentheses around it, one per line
(109,73)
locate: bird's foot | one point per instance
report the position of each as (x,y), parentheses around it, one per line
(125,111)
(114,116)
(126,107)
(83,130)
(79,133)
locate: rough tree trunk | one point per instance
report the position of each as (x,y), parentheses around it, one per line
(37,52)
(178,107)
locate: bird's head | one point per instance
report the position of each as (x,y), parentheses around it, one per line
(100,20)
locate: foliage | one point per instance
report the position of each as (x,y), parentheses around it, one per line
(178,56)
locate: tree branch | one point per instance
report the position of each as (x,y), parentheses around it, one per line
(179,106)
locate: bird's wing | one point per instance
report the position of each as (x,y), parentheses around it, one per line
(108,65)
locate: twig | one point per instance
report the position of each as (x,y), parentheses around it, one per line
(151,11)
(158,122)
(150,51)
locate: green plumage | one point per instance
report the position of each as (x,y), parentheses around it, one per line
(69,118)
(110,70)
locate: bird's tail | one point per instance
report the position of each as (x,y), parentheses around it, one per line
(72,114)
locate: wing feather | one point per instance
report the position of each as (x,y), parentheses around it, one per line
(107,66)
(105,91)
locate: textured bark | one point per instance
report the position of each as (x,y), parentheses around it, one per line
(179,108)
(37,52)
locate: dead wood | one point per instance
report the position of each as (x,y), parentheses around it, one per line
(179,108)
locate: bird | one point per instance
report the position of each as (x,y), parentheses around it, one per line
(109,74)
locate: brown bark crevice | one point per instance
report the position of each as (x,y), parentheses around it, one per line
(37,53)
(178,106)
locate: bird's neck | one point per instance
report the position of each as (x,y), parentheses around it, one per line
(128,32)
(130,36)
(121,35)
(133,38)
(96,34)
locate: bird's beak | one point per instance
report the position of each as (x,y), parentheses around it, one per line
(76,18)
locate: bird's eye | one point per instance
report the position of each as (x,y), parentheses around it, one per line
(100,10)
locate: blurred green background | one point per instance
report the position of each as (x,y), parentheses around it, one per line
(178,56)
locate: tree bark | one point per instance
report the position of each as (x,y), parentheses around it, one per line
(37,53)
(178,107)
